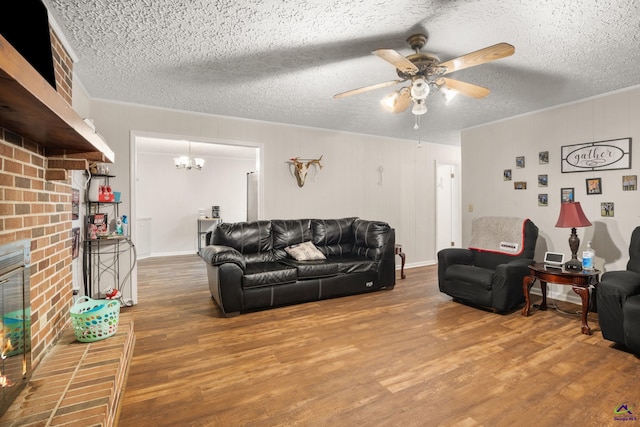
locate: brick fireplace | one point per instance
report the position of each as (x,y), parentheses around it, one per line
(35,207)
(39,210)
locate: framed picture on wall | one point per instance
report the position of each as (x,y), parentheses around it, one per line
(543,157)
(75,203)
(506,175)
(520,185)
(606,209)
(594,186)
(543,200)
(520,162)
(629,182)
(567,195)
(543,180)
(75,242)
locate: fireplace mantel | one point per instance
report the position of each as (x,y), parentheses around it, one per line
(31,107)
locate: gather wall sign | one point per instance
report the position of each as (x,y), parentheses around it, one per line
(596,156)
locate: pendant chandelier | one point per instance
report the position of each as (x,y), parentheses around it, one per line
(188,162)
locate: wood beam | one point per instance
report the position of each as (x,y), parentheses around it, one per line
(67,164)
(96,156)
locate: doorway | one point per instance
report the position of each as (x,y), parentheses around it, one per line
(448,221)
(167,201)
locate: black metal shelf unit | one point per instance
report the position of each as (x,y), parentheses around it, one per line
(101,257)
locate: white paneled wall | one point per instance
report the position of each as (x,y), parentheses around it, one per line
(347,185)
(488,150)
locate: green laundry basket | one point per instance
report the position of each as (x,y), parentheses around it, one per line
(94,319)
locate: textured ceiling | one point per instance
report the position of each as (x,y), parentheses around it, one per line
(283,60)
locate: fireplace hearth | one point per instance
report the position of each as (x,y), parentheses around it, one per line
(15,355)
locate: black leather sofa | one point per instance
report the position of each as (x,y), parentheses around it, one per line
(249,268)
(488,279)
(618,301)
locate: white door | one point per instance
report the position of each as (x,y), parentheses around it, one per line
(447,206)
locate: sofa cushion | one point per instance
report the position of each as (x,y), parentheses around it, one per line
(251,239)
(333,236)
(305,251)
(354,263)
(370,238)
(313,269)
(288,232)
(259,274)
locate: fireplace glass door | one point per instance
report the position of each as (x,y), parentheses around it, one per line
(15,351)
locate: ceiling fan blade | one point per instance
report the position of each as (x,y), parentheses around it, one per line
(397,60)
(488,54)
(467,89)
(367,88)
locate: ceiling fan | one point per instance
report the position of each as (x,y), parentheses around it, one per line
(425,73)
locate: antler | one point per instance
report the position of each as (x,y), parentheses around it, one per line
(301,168)
(315,162)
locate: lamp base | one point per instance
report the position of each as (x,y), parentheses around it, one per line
(573,264)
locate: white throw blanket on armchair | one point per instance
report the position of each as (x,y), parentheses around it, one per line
(498,234)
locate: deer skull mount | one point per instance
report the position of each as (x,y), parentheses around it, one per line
(301,167)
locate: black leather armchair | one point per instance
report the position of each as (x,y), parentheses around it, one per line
(618,298)
(488,279)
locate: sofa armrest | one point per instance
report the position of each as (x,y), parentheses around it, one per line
(507,283)
(217,255)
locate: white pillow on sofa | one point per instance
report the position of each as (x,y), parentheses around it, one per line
(305,251)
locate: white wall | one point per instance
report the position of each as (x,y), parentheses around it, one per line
(171,197)
(489,149)
(349,183)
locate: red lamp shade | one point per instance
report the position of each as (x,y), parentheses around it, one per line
(571,215)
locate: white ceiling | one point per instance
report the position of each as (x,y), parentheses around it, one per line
(283,60)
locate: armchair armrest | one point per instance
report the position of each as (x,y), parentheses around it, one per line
(450,256)
(612,292)
(507,283)
(623,283)
(216,255)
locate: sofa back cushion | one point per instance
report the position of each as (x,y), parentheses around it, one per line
(287,232)
(370,237)
(333,236)
(251,239)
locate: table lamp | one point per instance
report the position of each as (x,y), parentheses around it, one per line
(572,216)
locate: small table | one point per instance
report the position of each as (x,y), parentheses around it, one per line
(402,257)
(579,281)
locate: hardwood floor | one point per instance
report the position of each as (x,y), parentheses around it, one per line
(405,357)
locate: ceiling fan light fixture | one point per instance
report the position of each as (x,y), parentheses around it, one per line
(448,93)
(389,101)
(420,89)
(419,108)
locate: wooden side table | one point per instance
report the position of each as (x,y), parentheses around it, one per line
(579,281)
(402,258)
